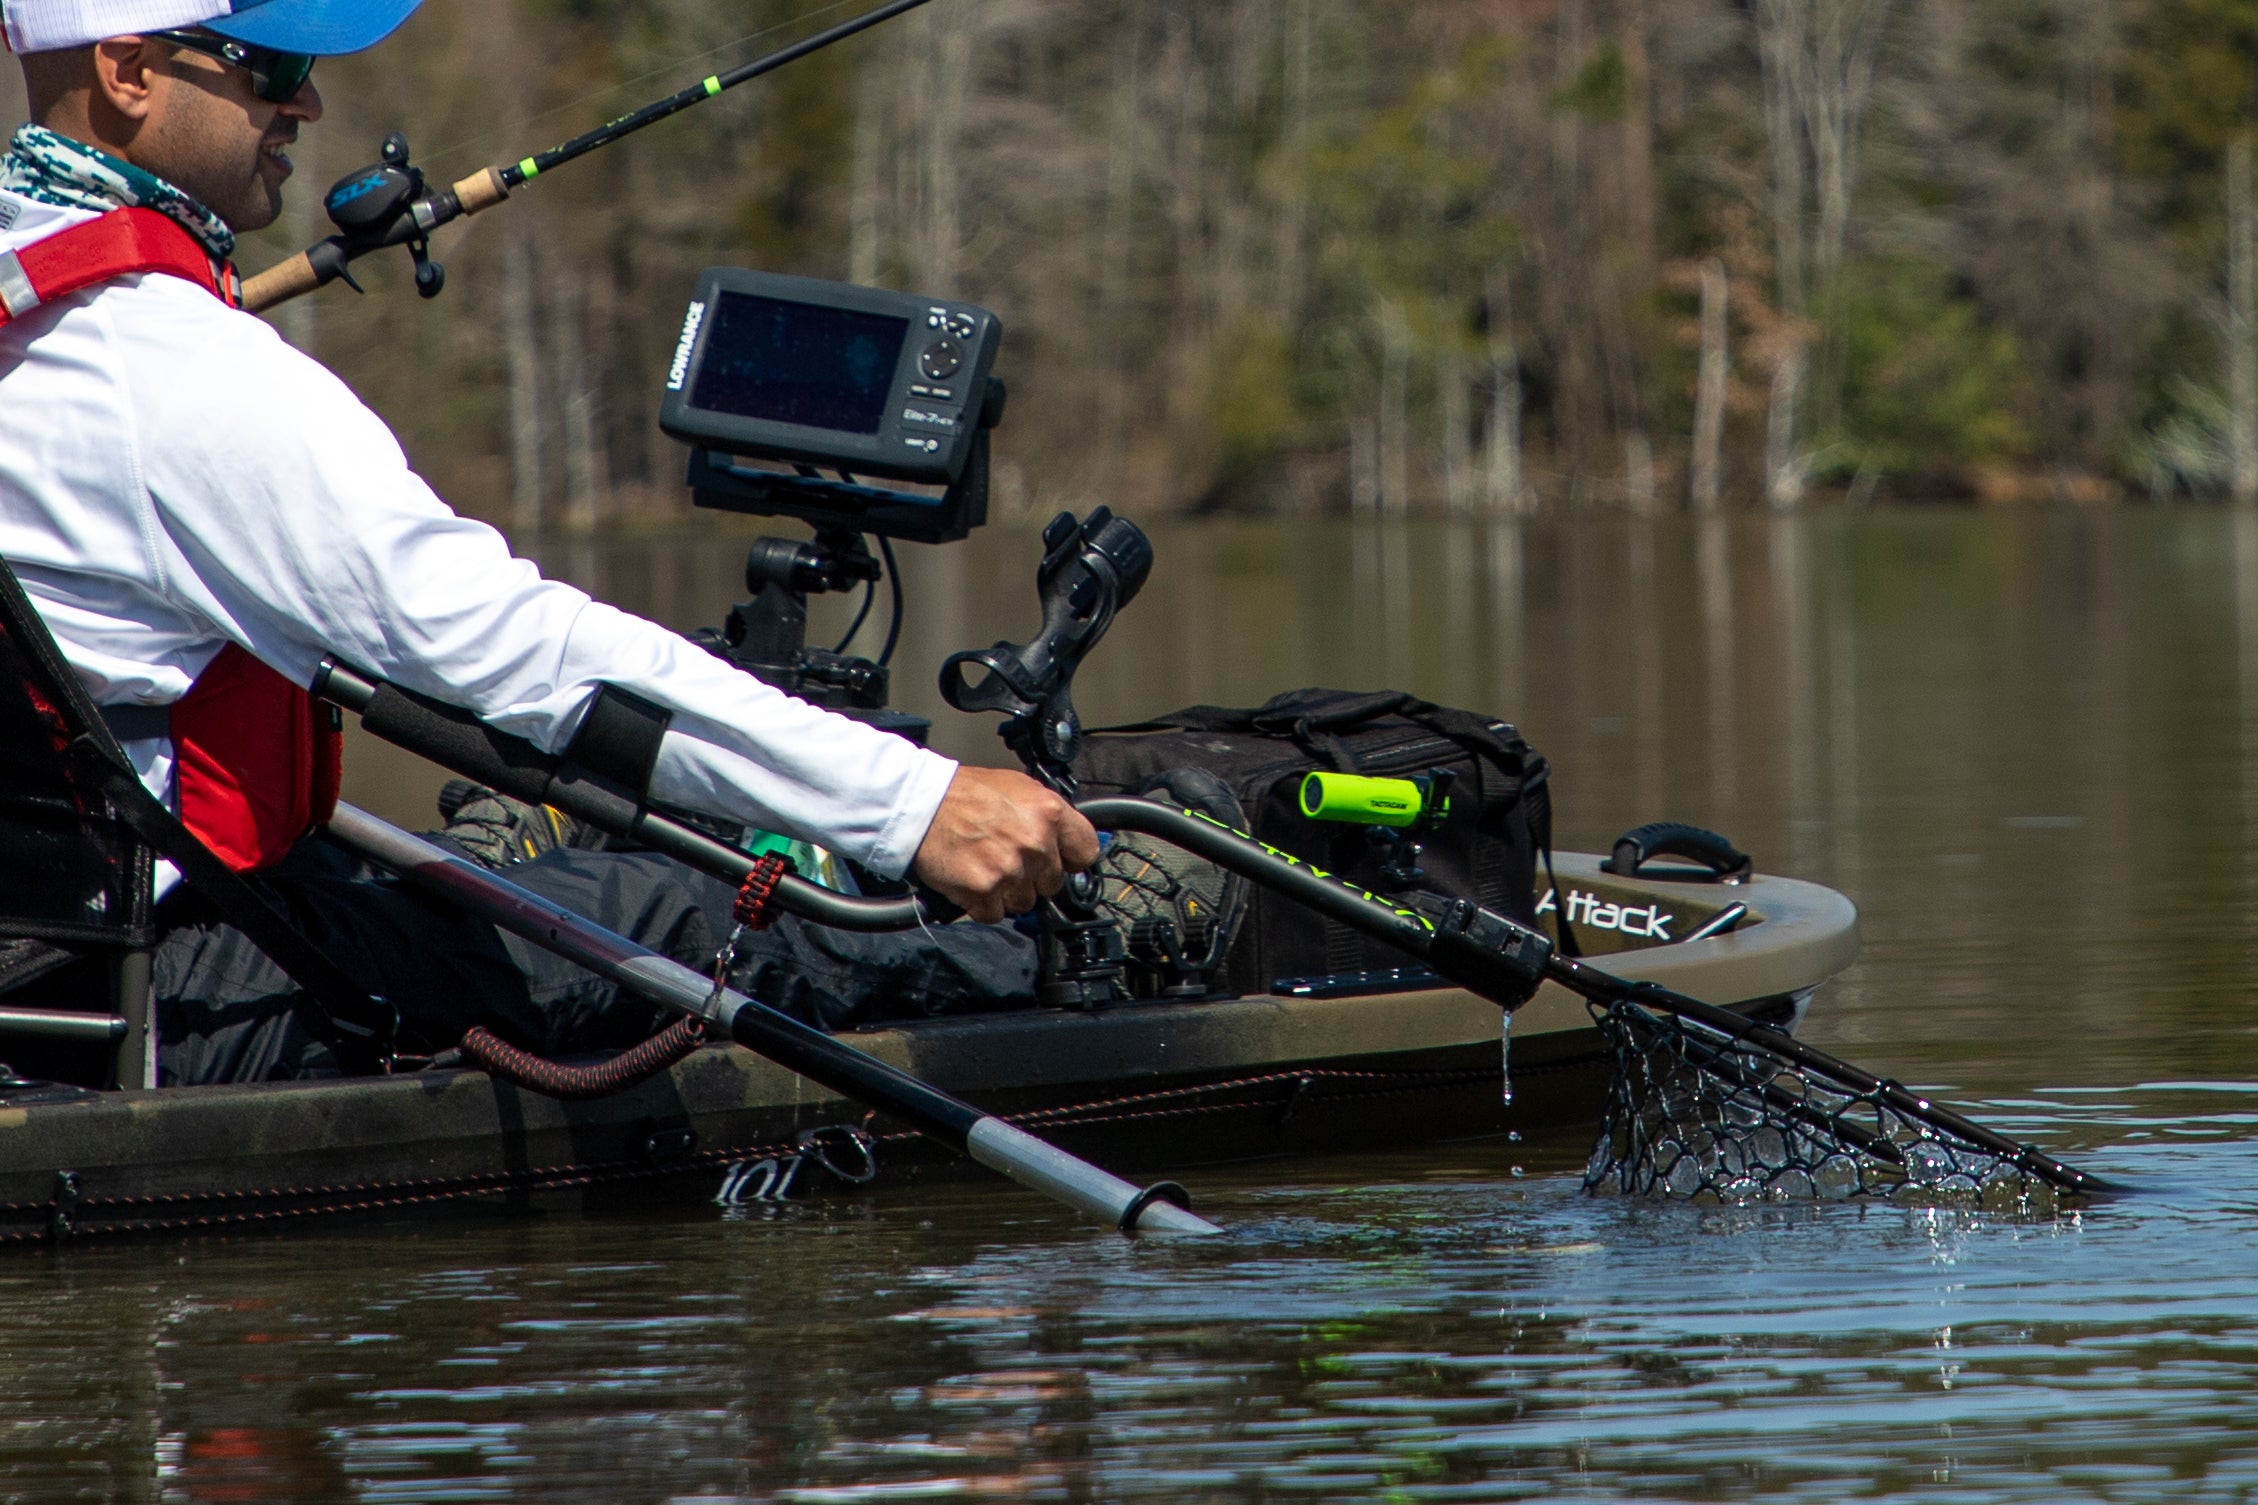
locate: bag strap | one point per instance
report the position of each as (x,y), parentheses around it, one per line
(1538,791)
(359,1021)
(1320,722)
(1314,719)
(1193,718)
(1303,713)
(116,244)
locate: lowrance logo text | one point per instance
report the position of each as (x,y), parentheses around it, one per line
(681,366)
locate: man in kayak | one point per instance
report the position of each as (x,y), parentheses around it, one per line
(202,514)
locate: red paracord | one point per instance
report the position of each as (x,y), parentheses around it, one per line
(753,909)
(500,1059)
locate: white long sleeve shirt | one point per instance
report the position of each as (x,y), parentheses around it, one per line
(174,477)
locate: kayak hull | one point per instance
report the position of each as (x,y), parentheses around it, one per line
(1139,1087)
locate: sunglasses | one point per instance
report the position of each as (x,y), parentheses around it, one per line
(276,77)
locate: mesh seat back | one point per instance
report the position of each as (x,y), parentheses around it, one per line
(70,869)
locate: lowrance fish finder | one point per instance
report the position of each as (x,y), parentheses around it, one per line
(818,376)
(855,409)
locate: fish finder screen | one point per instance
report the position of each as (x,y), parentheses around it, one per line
(823,368)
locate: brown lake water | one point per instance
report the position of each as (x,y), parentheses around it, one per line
(2026,744)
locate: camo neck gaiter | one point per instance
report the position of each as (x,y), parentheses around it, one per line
(54,169)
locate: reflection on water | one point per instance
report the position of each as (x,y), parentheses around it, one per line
(2026,744)
(1411,1328)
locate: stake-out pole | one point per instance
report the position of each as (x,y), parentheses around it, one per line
(1032,1162)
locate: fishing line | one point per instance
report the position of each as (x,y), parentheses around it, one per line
(467,143)
(392,203)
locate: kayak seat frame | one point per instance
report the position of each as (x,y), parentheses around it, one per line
(76,906)
(79,838)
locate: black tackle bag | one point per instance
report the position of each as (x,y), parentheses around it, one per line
(1486,848)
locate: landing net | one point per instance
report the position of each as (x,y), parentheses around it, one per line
(1696,1115)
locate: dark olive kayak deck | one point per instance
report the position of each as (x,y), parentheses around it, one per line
(1144,1087)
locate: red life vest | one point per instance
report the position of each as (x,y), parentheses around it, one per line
(256,759)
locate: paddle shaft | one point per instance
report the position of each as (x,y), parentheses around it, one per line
(819,1057)
(326,260)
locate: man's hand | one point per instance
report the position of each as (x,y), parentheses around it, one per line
(1000,841)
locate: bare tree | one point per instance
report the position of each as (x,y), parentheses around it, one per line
(1836,80)
(521,351)
(865,192)
(2041,223)
(1638,196)
(1783,31)
(585,473)
(2241,326)
(943,84)
(1504,488)
(1395,405)
(1457,429)
(1709,389)
(1818,62)
(1638,472)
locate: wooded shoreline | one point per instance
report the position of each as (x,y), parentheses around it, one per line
(1339,255)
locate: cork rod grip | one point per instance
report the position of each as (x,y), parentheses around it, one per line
(280,283)
(483,189)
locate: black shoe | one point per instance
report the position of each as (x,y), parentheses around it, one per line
(498,830)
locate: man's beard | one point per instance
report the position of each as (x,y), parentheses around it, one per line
(238,193)
(205,156)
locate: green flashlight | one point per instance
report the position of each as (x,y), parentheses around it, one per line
(1357,800)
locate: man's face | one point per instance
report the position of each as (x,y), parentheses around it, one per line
(208,134)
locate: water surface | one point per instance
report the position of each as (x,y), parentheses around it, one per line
(2026,744)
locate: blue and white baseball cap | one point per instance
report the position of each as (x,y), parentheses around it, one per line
(321,27)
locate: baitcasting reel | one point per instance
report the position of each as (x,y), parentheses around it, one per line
(385,204)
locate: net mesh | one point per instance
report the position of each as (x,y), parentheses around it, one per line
(1696,1115)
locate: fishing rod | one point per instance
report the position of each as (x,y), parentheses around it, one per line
(1489,954)
(387,204)
(1032,1162)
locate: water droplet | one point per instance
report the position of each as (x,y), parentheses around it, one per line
(1505,1059)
